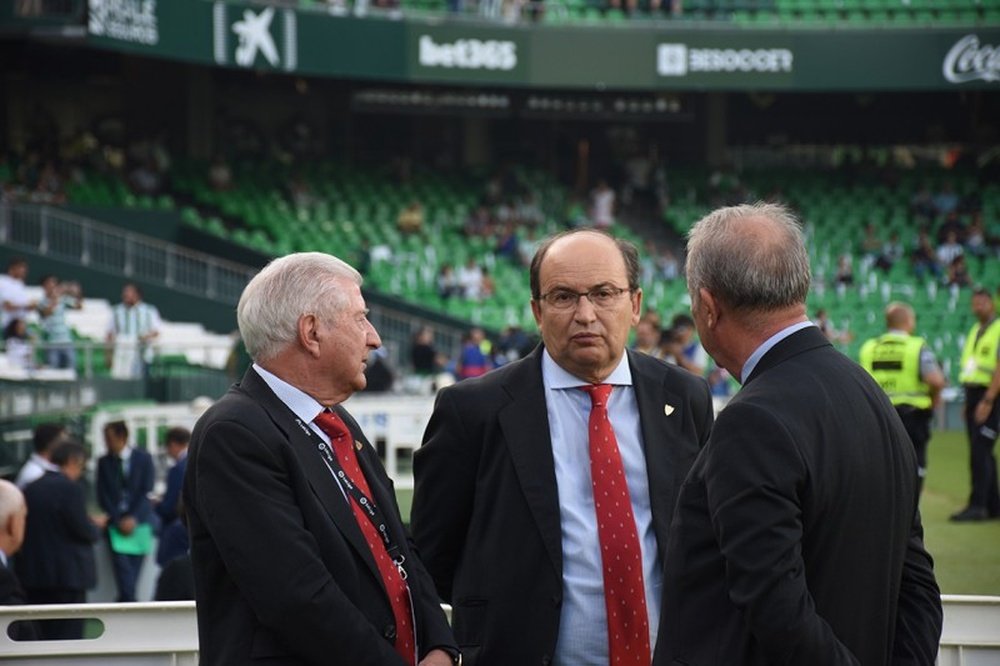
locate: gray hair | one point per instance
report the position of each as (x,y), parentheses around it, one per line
(752,257)
(287,288)
(11,501)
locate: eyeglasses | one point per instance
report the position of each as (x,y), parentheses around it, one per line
(600,297)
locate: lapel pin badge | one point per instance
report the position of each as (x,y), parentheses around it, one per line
(668,410)
(358,445)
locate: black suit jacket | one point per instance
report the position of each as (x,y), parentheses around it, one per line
(283,574)
(138,484)
(12,594)
(486,508)
(58,549)
(797,538)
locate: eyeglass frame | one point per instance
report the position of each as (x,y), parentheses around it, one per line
(580,294)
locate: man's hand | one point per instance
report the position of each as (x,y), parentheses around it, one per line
(983,409)
(436,658)
(100,521)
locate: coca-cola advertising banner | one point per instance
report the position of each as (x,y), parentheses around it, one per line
(646,56)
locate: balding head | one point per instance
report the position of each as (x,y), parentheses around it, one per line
(900,317)
(12,514)
(752,257)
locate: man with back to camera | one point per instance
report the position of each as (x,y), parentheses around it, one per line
(544,489)
(56,563)
(796,538)
(906,369)
(299,552)
(980,377)
(44,440)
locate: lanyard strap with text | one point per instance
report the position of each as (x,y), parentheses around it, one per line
(369,507)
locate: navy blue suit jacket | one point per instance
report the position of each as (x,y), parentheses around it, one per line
(167,508)
(138,484)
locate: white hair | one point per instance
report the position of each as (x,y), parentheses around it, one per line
(11,501)
(287,288)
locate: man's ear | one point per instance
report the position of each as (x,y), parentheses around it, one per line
(308,333)
(710,307)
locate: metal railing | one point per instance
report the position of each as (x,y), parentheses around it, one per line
(59,234)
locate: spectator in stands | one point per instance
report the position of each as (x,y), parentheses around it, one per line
(668,265)
(980,378)
(425,359)
(946,200)
(527,246)
(474,357)
(844,277)
(50,185)
(479,223)
(173,533)
(447,282)
(529,213)
(124,480)
(870,247)
(300,192)
(949,250)
(507,243)
(470,279)
(44,440)
(975,237)
(56,564)
(892,251)
(952,225)
(145,179)
(602,198)
(14,300)
(19,345)
(488,286)
(58,337)
(13,515)
(220,175)
(958,273)
(134,326)
(924,257)
(647,339)
(683,348)
(922,204)
(411,218)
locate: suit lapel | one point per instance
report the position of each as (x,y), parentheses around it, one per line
(661,440)
(525,426)
(303,443)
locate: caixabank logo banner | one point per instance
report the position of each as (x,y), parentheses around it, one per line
(131,21)
(255,37)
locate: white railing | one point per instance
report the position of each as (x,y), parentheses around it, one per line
(155,634)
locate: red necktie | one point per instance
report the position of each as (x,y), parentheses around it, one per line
(621,557)
(399,595)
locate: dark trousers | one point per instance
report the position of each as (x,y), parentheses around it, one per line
(982,439)
(58,630)
(918,426)
(127,569)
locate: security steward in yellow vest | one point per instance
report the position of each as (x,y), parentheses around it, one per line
(980,375)
(905,368)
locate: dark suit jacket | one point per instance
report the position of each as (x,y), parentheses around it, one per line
(12,594)
(486,509)
(797,538)
(167,508)
(283,574)
(58,549)
(139,483)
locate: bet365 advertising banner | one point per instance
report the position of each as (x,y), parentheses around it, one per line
(644,57)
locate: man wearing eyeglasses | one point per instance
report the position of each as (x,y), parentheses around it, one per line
(545,489)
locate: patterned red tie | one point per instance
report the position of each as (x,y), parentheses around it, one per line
(399,595)
(621,557)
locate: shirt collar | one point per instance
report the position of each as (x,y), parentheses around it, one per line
(3,558)
(126,452)
(768,344)
(44,463)
(556,377)
(301,403)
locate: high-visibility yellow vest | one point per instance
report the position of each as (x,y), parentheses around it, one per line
(893,359)
(979,358)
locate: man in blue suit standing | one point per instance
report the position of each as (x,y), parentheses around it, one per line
(124,481)
(173,533)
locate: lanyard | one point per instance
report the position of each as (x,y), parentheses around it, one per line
(368,507)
